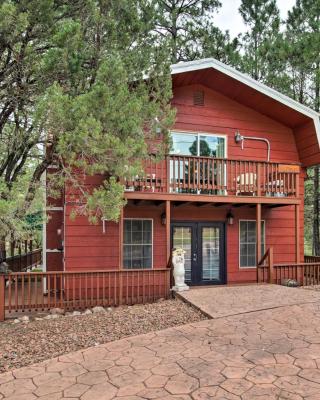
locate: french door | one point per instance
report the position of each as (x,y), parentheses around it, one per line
(204,246)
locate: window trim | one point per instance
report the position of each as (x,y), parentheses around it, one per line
(264,233)
(123,244)
(199,133)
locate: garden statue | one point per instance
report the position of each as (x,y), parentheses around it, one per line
(178,270)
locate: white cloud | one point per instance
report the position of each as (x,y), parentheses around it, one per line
(229,18)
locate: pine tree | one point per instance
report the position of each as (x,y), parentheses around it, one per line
(303,64)
(263,21)
(181,25)
(71,82)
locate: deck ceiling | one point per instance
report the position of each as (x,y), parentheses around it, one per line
(242,93)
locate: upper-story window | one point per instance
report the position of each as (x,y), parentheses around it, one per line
(198,144)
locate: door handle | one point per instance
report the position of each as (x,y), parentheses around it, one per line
(194,258)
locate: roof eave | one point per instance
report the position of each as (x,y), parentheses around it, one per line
(247,80)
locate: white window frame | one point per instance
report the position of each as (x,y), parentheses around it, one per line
(264,233)
(123,244)
(199,133)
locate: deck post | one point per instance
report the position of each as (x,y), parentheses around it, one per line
(168,228)
(258,234)
(121,239)
(297,232)
(2,297)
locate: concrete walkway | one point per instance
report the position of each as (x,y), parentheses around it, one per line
(223,301)
(265,355)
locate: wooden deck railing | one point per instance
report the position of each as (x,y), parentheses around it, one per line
(21,262)
(80,290)
(312,259)
(306,274)
(217,176)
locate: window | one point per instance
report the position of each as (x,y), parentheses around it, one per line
(196,144)
(186,174)
(137,243)
(247,241)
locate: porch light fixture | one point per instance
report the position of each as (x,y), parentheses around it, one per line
(230,218)
(163,219)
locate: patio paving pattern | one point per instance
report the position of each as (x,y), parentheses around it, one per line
(222,301)
(266,355)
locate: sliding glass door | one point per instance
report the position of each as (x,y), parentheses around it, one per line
(193,167)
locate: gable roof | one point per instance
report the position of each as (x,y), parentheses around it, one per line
(264,99)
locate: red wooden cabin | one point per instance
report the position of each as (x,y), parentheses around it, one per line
(231,187)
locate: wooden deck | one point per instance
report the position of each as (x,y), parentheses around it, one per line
(216,178)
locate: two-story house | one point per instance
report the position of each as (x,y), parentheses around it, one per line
(231,187)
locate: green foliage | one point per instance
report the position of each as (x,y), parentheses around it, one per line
(72,92)
(289,61)
(186,29)
(263,22)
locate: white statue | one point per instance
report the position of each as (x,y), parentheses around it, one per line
(178,270)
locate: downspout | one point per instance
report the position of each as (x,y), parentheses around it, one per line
(240,139)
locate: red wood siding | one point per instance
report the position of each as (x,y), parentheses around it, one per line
(221,115)
(242,93)
(307,143)
(88,248)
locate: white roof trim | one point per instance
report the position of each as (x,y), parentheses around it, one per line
(247,80)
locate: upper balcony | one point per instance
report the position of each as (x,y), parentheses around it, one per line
(214,179)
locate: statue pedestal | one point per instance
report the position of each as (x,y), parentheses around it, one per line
(181,288)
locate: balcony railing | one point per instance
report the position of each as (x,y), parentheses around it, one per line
(217,176)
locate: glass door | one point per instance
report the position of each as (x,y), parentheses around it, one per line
(188,171)
(183,237)
(203,243)
(211,252)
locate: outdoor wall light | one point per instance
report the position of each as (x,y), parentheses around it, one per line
(239,139)
(230,218)
(163,219)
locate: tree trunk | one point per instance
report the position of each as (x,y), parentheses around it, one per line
(316,216)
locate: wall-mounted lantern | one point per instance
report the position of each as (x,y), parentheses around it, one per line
(230,218)
(163,219)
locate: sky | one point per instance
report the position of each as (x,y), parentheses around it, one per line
(229,18)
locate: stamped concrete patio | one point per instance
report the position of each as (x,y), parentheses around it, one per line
(265,355)
(223,301)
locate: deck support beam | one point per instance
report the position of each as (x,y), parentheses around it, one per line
(297,233)
(258,233)
(168,229)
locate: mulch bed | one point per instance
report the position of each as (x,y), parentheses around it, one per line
(23,344)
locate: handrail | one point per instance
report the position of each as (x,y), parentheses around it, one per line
(267,256)
(233,159)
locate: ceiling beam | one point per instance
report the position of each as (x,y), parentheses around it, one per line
(158,203)
(202,204)
(277,205)
(181,203)
(137,202)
